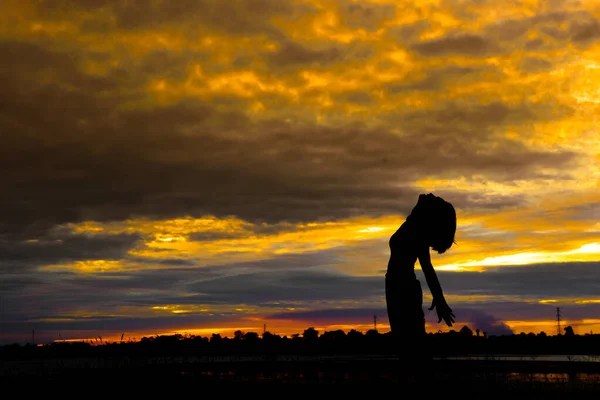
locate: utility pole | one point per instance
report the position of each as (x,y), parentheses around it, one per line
(558,320)
(33,337)
(264,328)
(375,322)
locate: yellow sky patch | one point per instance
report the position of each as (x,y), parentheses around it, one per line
(89,267)
(234,240)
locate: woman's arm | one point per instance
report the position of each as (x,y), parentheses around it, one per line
(444,311)
(430,275)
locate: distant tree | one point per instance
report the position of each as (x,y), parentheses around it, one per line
(310,333)
(569,331)
(267,335)
(466,331)
(166,340)
(477,331)
(372,333)
(542,334)
(198,339)
(238,335)
(336,335)
(271,338)
(354,334)
(251,337)
(215,338)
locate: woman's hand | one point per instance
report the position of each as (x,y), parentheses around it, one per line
(444,312)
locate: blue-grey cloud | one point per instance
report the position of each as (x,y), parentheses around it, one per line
(63,247)
(538,281)
(295,280)
(297,285)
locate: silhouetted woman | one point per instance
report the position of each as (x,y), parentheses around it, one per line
(431,224)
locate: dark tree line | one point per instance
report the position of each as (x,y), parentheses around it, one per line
(312,342)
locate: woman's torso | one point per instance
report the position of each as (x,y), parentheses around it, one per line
(403,252)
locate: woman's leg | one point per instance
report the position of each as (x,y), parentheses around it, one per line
(420,331)
(405,314)
(419,315)
(394,305)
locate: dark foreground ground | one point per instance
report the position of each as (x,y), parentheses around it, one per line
(443,377)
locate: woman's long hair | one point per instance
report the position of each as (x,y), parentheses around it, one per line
(437,220)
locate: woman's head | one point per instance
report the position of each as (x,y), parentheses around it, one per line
(437,218)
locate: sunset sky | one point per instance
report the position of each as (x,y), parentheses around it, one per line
(203,166)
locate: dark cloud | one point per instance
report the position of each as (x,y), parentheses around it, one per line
(18,282)
(458,44)
(289,281)
(508,310)
(480,201)
(535,64)
(168,64)
(307,277)
(292,57)
(511,30)
(288,285)
(150,285)
(189,158)
(560,27)
(502,36)
(174,262)
(357,97)
(236,17)
(64,248)
(485,322)
(439,78)
(210,236)
(538,281)
(585,31)
(534,44)
(407,33)
(295,54)
(585,211)
(369,17)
